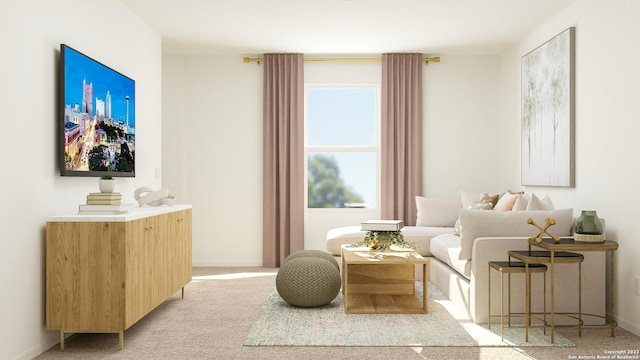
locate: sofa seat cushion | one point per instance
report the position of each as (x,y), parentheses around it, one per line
(419,235)
(344,235)
(446,248)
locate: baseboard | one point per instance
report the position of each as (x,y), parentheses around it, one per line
(39,349)
(629,327)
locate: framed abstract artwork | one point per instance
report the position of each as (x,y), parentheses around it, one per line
(548,111)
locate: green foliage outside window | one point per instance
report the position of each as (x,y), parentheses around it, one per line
(325,186)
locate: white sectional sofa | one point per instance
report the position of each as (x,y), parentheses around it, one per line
(459,263)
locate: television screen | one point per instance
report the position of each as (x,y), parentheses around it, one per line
(97,118)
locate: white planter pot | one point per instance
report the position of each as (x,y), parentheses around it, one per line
(107,186)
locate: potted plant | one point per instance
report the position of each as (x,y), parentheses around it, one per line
(107,184)
(383,240)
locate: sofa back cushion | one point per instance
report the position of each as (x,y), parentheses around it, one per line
(437,212)
(475,224)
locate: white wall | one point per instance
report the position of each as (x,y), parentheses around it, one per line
(461,126)
(606,128)
(217,102)
(175,133)
(31,33)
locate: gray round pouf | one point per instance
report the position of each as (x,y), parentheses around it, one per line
(312,253)
(308,281)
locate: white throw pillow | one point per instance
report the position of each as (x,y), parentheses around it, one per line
(536,204)
(436,212)
(477,224)
(521,203)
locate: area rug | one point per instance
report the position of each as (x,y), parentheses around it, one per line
(280,324)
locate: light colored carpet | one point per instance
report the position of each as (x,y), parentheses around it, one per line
(280,324)
(221,305)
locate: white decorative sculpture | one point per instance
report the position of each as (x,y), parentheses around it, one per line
(147,196)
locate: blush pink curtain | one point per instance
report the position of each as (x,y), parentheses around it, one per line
(283,158)
(401,136)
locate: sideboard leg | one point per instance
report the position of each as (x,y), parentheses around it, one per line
(183,292)
(61,339)
(121,339)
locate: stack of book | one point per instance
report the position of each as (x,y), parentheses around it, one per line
(382,225)
(104,204)
(114,198)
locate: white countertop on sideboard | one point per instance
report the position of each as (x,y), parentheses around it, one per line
(136,212)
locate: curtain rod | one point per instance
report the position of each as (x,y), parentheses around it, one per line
(320,59)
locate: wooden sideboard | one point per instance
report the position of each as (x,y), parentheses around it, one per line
(105,272)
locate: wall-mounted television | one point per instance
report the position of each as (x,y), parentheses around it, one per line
(97,118)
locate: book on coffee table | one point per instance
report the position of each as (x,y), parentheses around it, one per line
(382,225)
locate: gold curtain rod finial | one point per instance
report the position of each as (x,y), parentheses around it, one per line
(247,59)
(431,59)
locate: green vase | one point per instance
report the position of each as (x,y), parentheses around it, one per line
(589,223)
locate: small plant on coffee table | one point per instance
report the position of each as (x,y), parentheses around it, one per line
(383,240)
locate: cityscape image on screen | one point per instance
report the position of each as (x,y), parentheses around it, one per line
(98,118)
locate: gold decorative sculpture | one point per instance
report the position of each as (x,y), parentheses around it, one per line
(548,222)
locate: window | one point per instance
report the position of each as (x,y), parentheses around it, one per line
(342,146)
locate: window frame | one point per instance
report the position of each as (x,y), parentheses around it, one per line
(376,149)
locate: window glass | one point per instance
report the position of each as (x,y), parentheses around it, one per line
(341,116)
(341,146)
(342,179)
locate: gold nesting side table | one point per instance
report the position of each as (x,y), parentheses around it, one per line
(560,257)
(569,244)
(515,267)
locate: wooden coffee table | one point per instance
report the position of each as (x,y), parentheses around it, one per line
(375,282)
